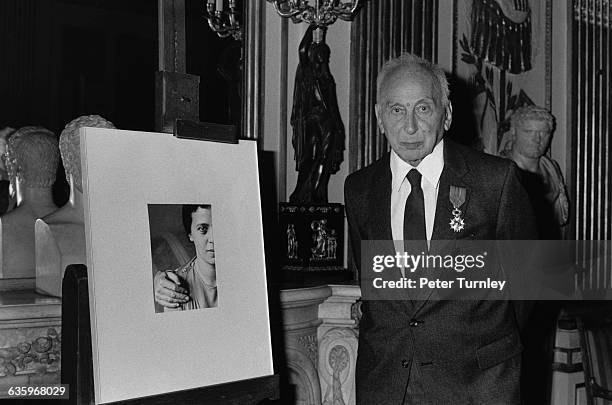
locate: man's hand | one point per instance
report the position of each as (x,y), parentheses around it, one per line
(168,290)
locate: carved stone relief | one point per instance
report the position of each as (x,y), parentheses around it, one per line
(337,357)
(28,355)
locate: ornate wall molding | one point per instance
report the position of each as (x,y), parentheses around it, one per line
(26,351)
(310,344)
(321,343)
(303,375)
(30,339)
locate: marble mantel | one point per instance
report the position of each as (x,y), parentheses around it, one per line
(320,327)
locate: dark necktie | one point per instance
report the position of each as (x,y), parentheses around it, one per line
(414,216)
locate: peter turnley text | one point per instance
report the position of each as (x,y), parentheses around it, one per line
(424,282)
(425,263)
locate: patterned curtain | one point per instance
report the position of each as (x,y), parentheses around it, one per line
(383,29)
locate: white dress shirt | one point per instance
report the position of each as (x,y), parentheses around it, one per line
(431,169)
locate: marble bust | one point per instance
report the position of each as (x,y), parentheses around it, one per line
(531,129)
(6,201)
(31,158)
(60,236)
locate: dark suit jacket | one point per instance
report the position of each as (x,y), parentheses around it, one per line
(435,351)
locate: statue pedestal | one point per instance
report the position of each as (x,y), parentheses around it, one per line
(312,238)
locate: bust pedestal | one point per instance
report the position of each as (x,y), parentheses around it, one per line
(17,248)
(60,241)
(17,231)
(57,246)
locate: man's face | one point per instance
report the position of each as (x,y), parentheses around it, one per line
(202,234)
(411,115)
(531,138)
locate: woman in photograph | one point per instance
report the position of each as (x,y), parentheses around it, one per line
(194,284)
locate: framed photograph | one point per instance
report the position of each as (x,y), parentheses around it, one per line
(183,248)
(152,204)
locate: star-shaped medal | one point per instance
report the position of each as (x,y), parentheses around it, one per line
(457,224)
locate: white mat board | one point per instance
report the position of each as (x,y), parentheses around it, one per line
(136,351)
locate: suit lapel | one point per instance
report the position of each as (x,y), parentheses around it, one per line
(379,224)
(443,241)
(455,173)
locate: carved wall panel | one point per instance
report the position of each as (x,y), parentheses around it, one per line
(321,343)
(337,357)
(303,373)
(29,356)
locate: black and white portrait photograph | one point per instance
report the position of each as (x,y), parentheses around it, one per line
(184,271)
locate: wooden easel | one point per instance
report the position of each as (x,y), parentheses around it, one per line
(77,365)
(177,94)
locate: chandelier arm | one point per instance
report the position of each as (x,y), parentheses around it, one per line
(346,17)
(223,22)
(344,13)
(355,7)
(282,13)
(325,13)
(213,26)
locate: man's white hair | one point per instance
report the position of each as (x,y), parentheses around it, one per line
(412,62)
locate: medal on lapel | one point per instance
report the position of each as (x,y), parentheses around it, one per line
(457,198)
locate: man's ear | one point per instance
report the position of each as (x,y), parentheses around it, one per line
(448,116)
(190,238)
(377,110)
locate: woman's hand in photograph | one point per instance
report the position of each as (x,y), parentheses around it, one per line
(168,290)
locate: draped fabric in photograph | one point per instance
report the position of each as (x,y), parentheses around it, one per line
(383,29)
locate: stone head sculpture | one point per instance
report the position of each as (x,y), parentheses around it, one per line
(531,129)
(32,157)
(70,148)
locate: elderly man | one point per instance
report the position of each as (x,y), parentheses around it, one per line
(434,351)
(530,133)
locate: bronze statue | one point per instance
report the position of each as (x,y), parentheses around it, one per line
(318,132)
